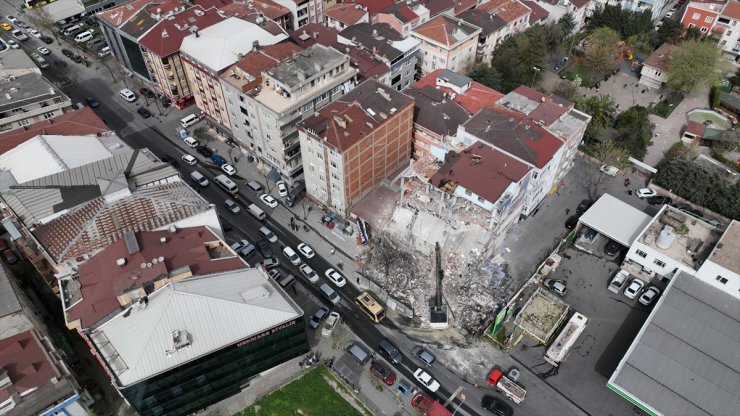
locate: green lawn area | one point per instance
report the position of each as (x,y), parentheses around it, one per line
(309,395)
(579,69)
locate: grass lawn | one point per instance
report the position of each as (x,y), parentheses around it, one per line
(309,395)
(579,69)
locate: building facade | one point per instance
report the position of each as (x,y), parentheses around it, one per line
(354,144)
(448,43)
(28,99)
(403,16)
(303,12)
(718,19)
(341,15)
(655,68)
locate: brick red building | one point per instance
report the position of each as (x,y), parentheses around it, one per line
(355,143)
(702,14)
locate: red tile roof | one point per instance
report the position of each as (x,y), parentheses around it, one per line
(80,122)
(266,57)
(101,280)
(375,6)
(478,96)
(697,129)
(732,10)
(313,33)
(442,29)
(659,58)
(347,13)
(507,10)
(579,4)
(538,13)
(367,65)
(165,45)
(463,5)
(118,16)
(165,7)
(270,9)
(25,362)
(482,170)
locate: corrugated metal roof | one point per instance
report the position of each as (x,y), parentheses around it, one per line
(685,359)
(615,219)
(215,311)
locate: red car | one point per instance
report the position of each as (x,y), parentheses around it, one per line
(382,372)
(10,256)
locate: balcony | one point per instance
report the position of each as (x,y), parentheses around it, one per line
(166,66)
(291,146)
(294,154)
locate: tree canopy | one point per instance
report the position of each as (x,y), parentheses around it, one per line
(487,76)
(694,65)
(517,57)
(670,31)
(601,49)
(625,22)
(602,111)
(634,132)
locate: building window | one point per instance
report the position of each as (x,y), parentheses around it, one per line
(659,263)
(695,16)
(704,30)
(721,279)
(708,19)
(481,200)
(468,193)
(641,253)
(48,115)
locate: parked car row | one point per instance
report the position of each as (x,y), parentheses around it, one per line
(635,288)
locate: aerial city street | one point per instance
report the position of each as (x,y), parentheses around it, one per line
(369,207)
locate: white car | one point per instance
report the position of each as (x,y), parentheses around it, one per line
(306,250)
(646,193)
(269,200)
(335,277)
(424,378)
(19,35)
(191,142)
(331,322)
(13,44)
(34,32)
(190,160)
(282,188)
(128,95)
(228,169)
(12,19)
(649,295)
(669,14)
(43,51)
(634,288)
(609,170)
(307,271)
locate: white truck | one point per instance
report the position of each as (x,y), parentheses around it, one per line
(618,281)
(507,386)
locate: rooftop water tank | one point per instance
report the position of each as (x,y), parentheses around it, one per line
(666,238)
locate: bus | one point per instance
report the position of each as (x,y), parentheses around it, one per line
(559,349)
(372,308)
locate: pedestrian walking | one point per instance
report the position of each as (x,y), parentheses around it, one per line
(626,182)
(332,251)
(567,211)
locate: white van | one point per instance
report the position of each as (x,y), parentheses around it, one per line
(256,212)
(68,31)
(105,52)
(188,121)
(291,255)
(269,235)
(83,37)
(199,178)
(128,95)
(227,184)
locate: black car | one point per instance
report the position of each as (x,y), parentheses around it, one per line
(68,53)
(46,39)
(318,317)
(146,92)
(144,112)
(583,206)
(659,200)
(571,222)
(496,406)
(170,160)
(612,248)
(165,102)
(76,59)
(206,152)
(264,247)
(92,102)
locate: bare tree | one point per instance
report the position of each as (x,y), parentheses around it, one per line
(41,19)
(609,154)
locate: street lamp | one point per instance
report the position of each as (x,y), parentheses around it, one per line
(534,75)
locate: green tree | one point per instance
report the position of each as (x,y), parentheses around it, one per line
(693,33)
(487,76)
(566,89)
(41,18)
(634,134)
(602,111)
(601,49)
(670,31)
(566,24)
(640,42)
(518,55)
(625,22)
(694,65)
(735,79)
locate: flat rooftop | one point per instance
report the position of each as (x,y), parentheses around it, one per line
(295,72)
(727,253)
(24,90)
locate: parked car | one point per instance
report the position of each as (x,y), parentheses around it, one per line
(423,355)
(128,95)
(335,277)
(269,264)
(13,44)
(659,200)
(191,142)
(618,281)
(634,288)
(496,406)
(556,285)
(218,160)
(645,193)
(426,380)
(583,206)
(331,322)
(143,112)
(612,248)
(6,27)
(269,200)
(43,51)
(168,159)
(239,245)
(571,222)
(232,206)
(274,274)
(9,256)
(204,151)
(609,170)
(382,372)
(92,102)
(46,39)
(649,295)
(11,18)
(264,248)
(18,35)
(67,53)
(190,160)
(228,169)
(317,317)
(307,251)
(35,33)
(282,188)
(309,273)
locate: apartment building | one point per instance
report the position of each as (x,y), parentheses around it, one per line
(303,12)
(352,145)
(655,68)
(386,45)
(403,16)
(161,49)
(208,53)
(288,93)
(492,31)
(446,42)
(342,15)
(514,13)
(259,8)
(29,98)
(719,19)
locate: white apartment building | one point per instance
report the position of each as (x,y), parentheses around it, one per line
(446,42)
(303,12)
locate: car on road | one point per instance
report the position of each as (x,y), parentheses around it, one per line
(307,251)
(269,264)
(423,355)
(331,322)
(43,51)
(13,44)
(382,372)
(669,14)
(9,256)
(269,235)
(92,102)
(274,274)
(649,295)
(309,273)
(11,18)
(264,248)
(46,39)
(232,206)
(269,200)
(6,27)
(583,206)
(228,169)
(143,112)
(127,95)
(67,53)
(317,317)
(204,151)
(171,161)
(191,142)
(335,277)
(659,200)
(571,222)
(426,380)
(556,285)
(35,33)
(19,35)
(645,193)
(282,188)
(76,59)
(612,248)
(634,288)
(609,170)
(496,406)
(190,160)
(239,245)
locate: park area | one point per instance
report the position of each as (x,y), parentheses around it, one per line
(313,394)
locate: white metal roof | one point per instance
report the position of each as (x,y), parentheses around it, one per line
(220,45)
(46,155)
(216,311)
(615,219)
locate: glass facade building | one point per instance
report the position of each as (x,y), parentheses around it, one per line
(218,375)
